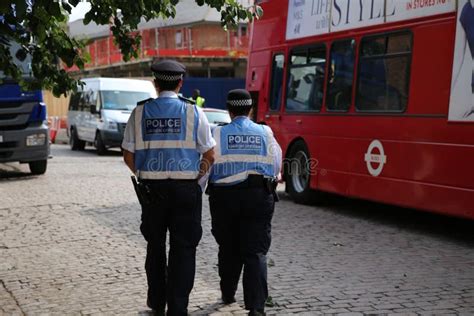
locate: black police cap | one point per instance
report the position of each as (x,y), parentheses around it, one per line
(168,70)
(239,97)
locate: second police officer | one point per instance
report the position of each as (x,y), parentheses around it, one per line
(168,145)
(242,199)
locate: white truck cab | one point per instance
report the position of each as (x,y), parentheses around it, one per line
(98,113)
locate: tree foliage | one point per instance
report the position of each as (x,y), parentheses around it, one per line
(39,26)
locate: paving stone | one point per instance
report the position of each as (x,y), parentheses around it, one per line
(70,244)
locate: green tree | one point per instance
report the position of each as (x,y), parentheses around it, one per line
(39,27)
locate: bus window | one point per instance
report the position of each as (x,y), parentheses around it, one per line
(277,81)
(384,73)
(340,76)
(306,80)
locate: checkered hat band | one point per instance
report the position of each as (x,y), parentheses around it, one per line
(245,102)
(166,77)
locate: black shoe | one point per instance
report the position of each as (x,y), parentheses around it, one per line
(159,311)
(256,312)
(228,300)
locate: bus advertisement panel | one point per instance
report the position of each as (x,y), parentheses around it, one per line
(365,98)
(461,107)
(315,17)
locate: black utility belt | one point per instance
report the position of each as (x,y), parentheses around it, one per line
(152,181)
(252,181)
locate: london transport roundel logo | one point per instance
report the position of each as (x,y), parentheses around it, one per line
(372,158)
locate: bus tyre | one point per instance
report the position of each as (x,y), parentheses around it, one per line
(298,175)
(99,144)
(38,167)
(75,142)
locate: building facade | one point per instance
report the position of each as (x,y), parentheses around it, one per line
(194,37)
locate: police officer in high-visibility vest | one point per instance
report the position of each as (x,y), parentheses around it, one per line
(198,99)
(242,194)
(168,146)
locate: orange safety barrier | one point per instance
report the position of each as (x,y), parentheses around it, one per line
(63,122)
(62,135)
(53,124)
(57,129)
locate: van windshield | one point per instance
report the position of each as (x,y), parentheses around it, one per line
(122,100)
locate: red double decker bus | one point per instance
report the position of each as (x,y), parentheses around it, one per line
(370,99)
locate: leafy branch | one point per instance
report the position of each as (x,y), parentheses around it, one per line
(40,28)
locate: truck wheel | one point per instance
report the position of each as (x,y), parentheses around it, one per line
(99,144)
(75,142)
(298,175)
(38,167)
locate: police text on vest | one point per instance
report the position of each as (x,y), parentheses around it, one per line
(163,126)
(244,142)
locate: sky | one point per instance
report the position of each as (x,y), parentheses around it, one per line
(79,11)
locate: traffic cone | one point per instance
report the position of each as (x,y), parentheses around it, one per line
(61,136)
(53,128)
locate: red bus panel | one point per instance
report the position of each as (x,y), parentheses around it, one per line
(397,141)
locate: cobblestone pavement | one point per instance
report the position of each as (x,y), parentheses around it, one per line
(70,244)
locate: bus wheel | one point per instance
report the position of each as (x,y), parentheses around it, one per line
(299,174)
(99,144)
(75,142)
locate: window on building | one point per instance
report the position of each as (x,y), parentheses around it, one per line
(179,39)
(277,81)
(341,69)
(384,73)
(243,30)
(305,86)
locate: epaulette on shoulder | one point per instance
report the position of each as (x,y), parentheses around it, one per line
(186,100)
(144,101)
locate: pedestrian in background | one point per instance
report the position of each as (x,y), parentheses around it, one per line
(198,99)
(242,185)
(168,146)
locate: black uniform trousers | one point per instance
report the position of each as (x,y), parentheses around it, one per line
(241,225)
(175,207)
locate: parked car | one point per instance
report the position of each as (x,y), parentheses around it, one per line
(216,116)
(99,112)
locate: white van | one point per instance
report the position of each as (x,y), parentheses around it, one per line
(100,110)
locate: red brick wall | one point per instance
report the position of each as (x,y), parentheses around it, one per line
(206,36)
(208,40)
(209,37)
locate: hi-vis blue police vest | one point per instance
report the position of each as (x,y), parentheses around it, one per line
(165,140)
(242,149)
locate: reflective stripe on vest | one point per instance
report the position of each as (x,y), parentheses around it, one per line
(232,168)
(157,156)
